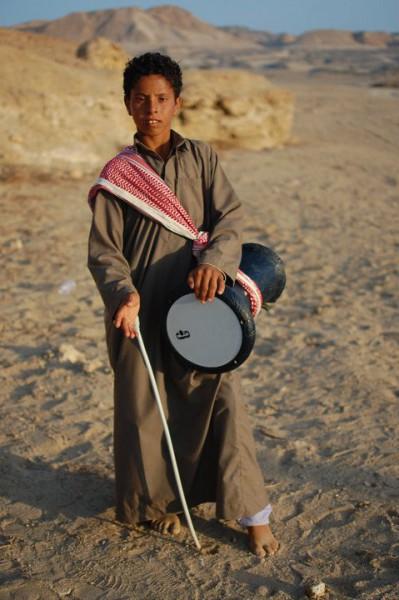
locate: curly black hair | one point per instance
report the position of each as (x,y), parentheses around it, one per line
(152,63)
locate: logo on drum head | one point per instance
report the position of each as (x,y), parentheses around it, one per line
(182,335)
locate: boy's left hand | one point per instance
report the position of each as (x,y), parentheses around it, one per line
(206,280)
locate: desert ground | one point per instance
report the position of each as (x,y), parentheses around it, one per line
(321,386)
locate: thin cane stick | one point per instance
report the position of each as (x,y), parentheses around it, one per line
(167,434)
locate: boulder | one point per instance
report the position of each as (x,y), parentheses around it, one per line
(57,113)
(103,54)
(235,108)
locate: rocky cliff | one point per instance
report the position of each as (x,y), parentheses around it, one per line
(62,112)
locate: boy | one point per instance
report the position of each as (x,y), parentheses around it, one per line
(136,263)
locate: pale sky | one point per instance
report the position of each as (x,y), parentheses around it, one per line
(292,16)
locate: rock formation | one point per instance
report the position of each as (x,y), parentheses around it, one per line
(103,54)
(59,112)
(235,108)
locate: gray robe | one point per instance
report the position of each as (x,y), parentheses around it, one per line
(208,422)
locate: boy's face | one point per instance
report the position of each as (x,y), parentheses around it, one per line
(152,104)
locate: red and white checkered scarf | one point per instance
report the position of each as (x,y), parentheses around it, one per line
(129,177)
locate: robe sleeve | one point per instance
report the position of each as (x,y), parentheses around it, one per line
(106,262)
(225,223)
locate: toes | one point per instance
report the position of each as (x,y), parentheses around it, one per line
(155,525)
(164,527)
(258,550)
(273,547)
(270,547)
(170,524)
(263,545)
(175,527)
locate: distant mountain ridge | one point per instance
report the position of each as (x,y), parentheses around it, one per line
(321,38)
(133,28)
(172,27)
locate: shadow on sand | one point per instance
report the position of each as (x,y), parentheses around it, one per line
(73,491)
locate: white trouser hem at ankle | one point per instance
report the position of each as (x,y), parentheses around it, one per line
(261,518)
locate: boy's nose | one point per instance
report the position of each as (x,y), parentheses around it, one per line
(152,106)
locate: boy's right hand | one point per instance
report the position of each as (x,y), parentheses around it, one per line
(126,314)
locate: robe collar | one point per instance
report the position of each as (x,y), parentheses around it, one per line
(178,143)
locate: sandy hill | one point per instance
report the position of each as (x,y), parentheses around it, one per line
(331,38)
(339,38)
(264,38)
(374,38)
(55,49)
(135,28)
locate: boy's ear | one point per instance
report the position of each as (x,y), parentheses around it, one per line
(179,104)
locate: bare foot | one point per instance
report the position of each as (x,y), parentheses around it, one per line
(261,541)
(169,523)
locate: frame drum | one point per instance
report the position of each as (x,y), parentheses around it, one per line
(219,336)
(213,337)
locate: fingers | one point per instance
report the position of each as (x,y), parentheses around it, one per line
(118,318)
(205,286)
(126,314)
(195,278)
(221,286)
(128,328)
(206,281)
(212,286)
(190,280)
(132,327)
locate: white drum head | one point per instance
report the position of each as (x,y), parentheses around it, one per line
(208,335)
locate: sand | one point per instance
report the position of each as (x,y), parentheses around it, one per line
(321,385)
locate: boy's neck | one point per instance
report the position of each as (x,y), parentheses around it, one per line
(160,146)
